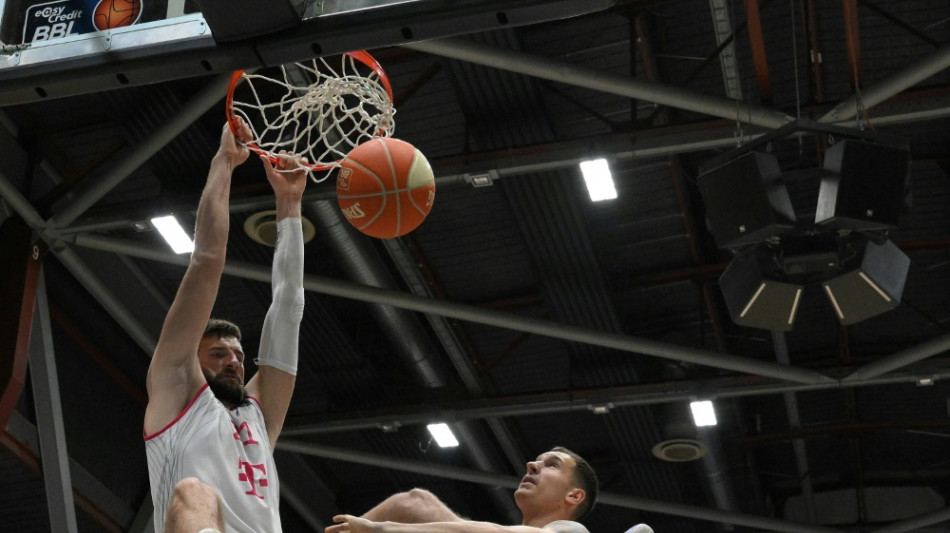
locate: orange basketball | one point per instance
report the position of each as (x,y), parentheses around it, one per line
(116,13)
(385,187)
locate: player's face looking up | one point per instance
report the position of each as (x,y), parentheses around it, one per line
(548,478)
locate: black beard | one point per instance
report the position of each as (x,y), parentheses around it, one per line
(227,391)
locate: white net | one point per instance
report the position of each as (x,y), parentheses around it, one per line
(315,110)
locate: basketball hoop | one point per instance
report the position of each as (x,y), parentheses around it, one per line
(313,109)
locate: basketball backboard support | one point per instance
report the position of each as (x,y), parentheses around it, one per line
(184,46)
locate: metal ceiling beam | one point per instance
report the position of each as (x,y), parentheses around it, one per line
(893,19)
(605,498)
(410,342)
(103,294)
(453,345)
(917,523)
(795,423)
(901,359)
(302,489)
(20,271)
(210,95)
(49,419)
(658,142)
(757,44)
(852,43)
(563,72)
(588,401)
(809,12)
(715,473)
(97,500)
(892,85)
(80,270)
(548,328)
(722,28)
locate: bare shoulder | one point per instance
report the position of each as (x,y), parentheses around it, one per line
(566,526)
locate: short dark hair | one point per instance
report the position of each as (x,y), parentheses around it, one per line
(586,479)
(219,328)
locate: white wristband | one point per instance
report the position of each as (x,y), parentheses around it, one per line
(281,331)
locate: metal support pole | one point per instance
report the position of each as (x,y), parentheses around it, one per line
(49,420)
(881,91)
(916,523)
(901,359)
(795,423)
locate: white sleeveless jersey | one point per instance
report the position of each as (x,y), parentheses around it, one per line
(225,448)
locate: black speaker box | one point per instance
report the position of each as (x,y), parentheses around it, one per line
(746,200)
(808,253)
(756,301)
(243,19)
(862,186)
(872,289)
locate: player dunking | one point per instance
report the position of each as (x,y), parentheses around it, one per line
(209,439)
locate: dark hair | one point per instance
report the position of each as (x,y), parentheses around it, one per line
(586,479)
(219,328)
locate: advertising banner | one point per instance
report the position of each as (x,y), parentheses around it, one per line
(37,21)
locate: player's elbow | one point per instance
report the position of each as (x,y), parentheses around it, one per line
(419,496)
(207,258)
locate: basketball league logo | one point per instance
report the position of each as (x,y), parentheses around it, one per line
(111,14)
(62,18)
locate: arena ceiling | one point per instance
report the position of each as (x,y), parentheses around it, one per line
(520,312)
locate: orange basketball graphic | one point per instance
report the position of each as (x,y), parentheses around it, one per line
(116,13)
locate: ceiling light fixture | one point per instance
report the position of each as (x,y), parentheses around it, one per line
(443,435)
(173,234)
(481,179)
(703,413)
(600,182)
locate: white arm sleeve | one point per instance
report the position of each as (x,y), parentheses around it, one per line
(281,331)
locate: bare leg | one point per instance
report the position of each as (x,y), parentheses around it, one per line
(194,507)
(413,507)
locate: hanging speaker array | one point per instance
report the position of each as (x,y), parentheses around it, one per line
(845,249)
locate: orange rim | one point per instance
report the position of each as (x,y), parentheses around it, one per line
(237,76)
(365,58)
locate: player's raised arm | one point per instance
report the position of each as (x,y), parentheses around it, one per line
(354,524)
(273,384)
(174,374)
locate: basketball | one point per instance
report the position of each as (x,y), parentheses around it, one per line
(385,187)
(116,13)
